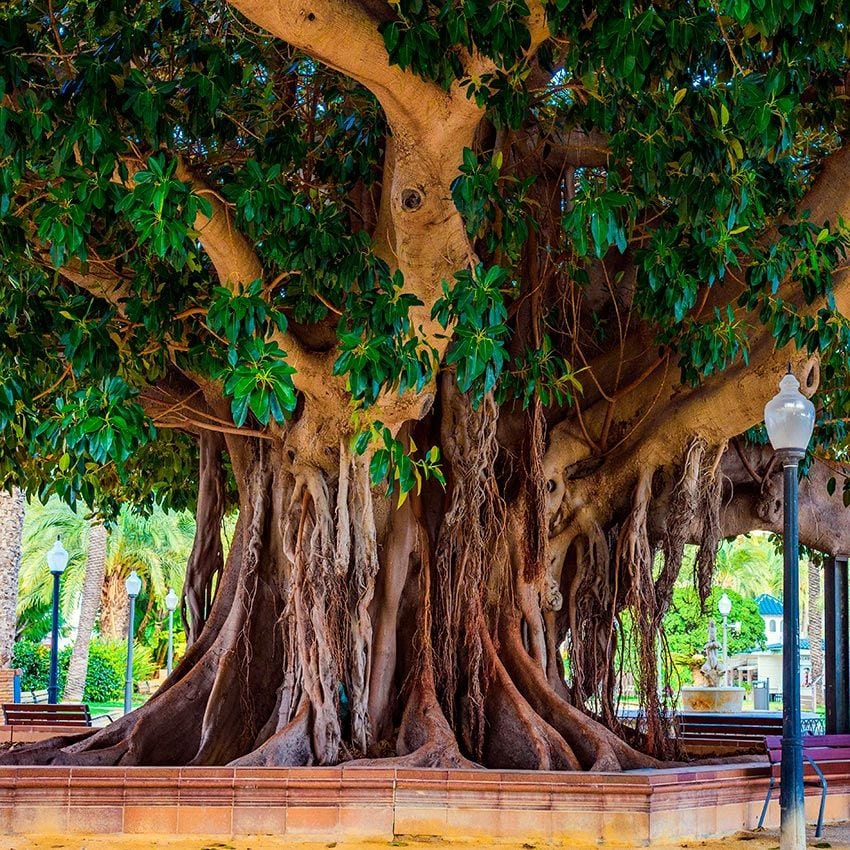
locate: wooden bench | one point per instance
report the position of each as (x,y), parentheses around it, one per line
(733,730)
(40,714)
(34,696)
(820,752)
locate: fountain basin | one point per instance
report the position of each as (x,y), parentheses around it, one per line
(720,699)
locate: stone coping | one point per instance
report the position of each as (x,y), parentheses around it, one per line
(385,803)
(23,734)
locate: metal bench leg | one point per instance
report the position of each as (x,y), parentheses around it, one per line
(766,802)
(819,772)
(819,830)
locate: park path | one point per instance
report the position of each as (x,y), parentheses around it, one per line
(836,837)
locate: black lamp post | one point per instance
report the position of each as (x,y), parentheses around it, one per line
(57,560)
(134,587)
(790,419)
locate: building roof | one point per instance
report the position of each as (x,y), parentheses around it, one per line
(769,606)
(777,647)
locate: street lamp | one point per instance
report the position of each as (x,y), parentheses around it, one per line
(57,560)
(171,601)
(724,606)
(790,419)
(133,586)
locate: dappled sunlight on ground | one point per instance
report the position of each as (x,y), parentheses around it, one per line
(834,837)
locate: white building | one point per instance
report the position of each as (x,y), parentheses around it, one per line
(766,664)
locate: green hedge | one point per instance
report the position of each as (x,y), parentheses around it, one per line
(105,677)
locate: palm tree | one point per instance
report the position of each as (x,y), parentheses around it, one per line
(815,619)
(35,587)
(749,565)
(92,589)
(156,546)
(11,531)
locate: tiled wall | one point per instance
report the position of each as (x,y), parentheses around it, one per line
(326,803)
(7,684)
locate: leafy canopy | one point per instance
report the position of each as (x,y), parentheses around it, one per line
(713,119)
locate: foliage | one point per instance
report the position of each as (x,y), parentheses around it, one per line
(115,143)
(156,546)
(686,623)
(749,565)
(106,670)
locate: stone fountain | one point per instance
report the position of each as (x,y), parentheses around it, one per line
(713,696)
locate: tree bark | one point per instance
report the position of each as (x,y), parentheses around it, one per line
(342,629)
(815,622)
(11,532)
(92,592)
(207,558)
(114,608)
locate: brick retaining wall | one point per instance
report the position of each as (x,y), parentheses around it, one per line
(7,684)
(637,808)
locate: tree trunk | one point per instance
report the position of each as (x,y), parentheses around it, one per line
(92,591)
(114,608)
(347,627)
(206,561)
(11,531)
(815,622)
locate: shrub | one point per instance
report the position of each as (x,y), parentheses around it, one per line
(105,675)
(33,659)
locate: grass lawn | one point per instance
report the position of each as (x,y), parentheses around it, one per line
(116,707)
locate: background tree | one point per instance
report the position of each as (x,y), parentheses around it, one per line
(11,531)
(89,607)
(471,308)
(157,546)
(749,565)
(686,624)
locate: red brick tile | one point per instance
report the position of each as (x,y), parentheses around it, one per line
(374,822)
(312,820)
(95,820)
(420,820)
(160,820)
(259,820)
(430,774)
(265,774)
(39,819)
(204,820)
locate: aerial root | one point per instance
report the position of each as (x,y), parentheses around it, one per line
(288,747)
(518,737)
(595,746)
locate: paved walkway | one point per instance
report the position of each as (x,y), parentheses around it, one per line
(836,837)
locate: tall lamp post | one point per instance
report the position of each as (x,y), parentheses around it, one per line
(133,585)
(57,560)
(171,601)
(790,419)
(724,606)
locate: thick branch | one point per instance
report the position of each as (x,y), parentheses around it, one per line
(113,288)
(757,505)
(660,416)
(344,35)
(234,258)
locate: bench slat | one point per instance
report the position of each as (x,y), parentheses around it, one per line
(775,741)
(819,748)
(39,714)
(711,728)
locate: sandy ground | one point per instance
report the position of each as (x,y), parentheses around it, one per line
(835,837)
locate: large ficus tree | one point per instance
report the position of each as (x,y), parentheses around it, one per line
(472,307)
